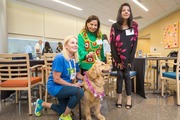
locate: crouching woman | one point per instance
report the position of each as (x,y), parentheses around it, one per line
(60,82)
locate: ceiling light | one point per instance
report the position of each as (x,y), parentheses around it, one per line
(69,5)
(140,5)
(111,21)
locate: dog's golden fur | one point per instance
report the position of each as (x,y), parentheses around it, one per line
(95,76)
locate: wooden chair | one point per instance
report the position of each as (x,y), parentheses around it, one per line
(48,59)
(171,76)
(15,74)
(151,70)
(113,74)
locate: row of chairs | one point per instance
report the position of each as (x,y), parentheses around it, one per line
(167,77)
(16,74)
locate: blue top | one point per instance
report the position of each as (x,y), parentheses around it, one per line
(60,64)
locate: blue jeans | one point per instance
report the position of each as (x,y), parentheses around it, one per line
(67,96)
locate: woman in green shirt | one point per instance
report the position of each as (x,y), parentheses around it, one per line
(90,43)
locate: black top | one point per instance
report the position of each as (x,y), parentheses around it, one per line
(47,50)
(123,45)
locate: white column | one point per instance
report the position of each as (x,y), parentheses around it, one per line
(3,29)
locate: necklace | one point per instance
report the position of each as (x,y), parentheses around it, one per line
(96,94)
(124,26)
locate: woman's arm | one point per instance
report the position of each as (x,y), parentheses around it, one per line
(79,76)
(81,48)
(135,41)
(59,80)
(102,54)
(113,47)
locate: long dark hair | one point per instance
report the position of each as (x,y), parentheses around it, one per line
(60,45)
(119,18)
(90,18)
(104,37)
(47,45)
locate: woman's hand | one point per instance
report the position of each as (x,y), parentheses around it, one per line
(129,65)
(120,66)
(78,84)
(83,78)
(90,54)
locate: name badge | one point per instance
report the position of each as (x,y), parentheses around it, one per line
(129,32)
(99,42)
(73,75)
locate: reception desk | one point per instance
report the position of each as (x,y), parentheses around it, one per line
(140,68)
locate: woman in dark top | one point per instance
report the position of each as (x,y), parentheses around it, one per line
(123,41)
(59,48)
(47,48)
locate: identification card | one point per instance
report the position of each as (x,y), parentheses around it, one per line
(73,76)
(129,32)
(99,42)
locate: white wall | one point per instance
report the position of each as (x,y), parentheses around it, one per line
(28,20)
(3,29)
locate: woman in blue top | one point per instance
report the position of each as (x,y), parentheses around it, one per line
(64,69)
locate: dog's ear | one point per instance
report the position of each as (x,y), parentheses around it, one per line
(92,72)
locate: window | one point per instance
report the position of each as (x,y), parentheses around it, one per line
(19,45)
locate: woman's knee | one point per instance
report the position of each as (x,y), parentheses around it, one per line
(81,92)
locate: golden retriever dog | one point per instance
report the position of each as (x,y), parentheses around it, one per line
(94,90)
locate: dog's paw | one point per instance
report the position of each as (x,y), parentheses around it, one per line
(100,117)
(88,118)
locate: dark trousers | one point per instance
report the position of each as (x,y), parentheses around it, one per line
(67,96)
(123,75)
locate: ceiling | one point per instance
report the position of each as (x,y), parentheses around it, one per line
(107,9)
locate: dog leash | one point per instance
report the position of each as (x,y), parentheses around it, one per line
(79,104)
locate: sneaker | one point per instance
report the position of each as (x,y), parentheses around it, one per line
(68,117)
(38,107)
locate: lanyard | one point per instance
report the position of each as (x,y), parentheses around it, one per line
(71,65)
(73,74)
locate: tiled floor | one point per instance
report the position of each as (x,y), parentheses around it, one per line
(154,107)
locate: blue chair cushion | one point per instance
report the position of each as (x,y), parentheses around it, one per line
(170,75)
(113,73)
(132,73)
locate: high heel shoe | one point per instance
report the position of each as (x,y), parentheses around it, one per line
(128,106)
(118,105)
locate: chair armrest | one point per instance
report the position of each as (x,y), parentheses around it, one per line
(36,66)
(43,67)
(161,66)
(167,63)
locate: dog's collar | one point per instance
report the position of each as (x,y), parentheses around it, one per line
(96,94)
